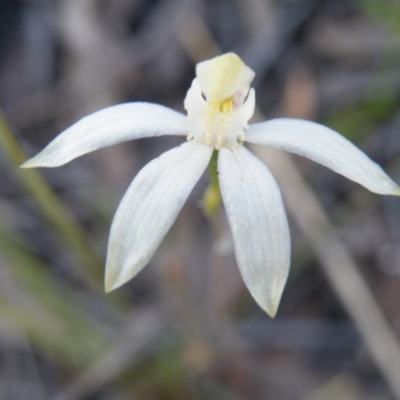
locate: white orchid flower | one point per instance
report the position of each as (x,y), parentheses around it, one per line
(219,105)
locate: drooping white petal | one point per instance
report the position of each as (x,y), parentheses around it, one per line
(196,106)
(149,208)
(258,222)
(110,126)
(324,146)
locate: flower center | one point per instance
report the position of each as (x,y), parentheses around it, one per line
(219,118)
(218,110)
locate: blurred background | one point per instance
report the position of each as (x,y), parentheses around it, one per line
(186,327)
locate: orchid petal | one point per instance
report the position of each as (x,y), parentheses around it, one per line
(259,226)
(223,76)
(110,126)
(149,208)
(324,146)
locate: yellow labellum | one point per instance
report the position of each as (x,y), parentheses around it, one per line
(222,77)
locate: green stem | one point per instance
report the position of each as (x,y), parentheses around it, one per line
(212,195)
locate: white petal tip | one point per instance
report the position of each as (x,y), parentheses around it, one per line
(109,287)
(387,188)
(111,283)
(117,275)
(271,308)
(28,164)
(396,192)
(39,161)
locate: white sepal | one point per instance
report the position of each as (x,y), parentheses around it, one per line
(149,208)
(196,106)
(259,226)
(324,146)
(109,126)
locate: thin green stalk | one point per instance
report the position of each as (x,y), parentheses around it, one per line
(212,195)
(49,204)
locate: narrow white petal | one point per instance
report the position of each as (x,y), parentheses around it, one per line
(258,222)
(109,126)
(324,146)
(149,208)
